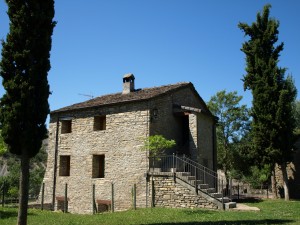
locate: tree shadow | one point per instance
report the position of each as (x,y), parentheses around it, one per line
(204,212)
(248,200)
(9,214)
(240,222)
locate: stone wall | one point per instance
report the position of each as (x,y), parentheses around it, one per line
(200,125)
(173,195)
(120,142)
(293,170)
(205,140)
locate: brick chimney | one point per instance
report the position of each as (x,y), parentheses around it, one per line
(128,83)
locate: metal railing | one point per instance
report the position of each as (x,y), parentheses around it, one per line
(184,168)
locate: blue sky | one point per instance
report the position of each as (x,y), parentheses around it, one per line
(161,42)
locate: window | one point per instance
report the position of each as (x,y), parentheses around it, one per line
(100,123)
(64,165)
(66,126)
(98,166)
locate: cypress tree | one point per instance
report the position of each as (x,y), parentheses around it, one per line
(24,68)
(273,94)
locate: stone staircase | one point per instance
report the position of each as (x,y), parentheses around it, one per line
(195,177)
(204,190)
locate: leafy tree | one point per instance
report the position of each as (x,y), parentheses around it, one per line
(233,123)
(11,180)
(273,95)
(24,67)
(157,144)
(2,145)
(258,176)
(243,161)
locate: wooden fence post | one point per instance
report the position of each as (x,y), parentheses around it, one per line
(112,198)
(66,199)
(147,191)
(43,193)
(94,200)
(152,193)
(174,168)
(223,206)
(3,194)
(134,196)
(196,188)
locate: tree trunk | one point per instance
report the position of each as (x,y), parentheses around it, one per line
(227,181)
(23,189)
(285,182)
(274,183)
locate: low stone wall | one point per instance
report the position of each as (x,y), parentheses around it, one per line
(173,195)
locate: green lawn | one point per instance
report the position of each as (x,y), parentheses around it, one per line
(272,212)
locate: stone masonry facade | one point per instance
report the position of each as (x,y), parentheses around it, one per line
(173,195)
(124,160)
(81,156)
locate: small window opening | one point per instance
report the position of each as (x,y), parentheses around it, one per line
(66,126)
(64,165)
(100,123)
(98,166)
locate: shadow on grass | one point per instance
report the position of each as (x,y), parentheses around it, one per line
(8,214)
(193,212)
(240,222)
(248,200)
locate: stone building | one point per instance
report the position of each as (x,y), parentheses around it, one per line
(97,143)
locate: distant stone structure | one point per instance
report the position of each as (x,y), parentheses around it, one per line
(97,143)
(293,171)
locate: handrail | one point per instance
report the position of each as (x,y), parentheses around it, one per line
(213,173)
(186,169)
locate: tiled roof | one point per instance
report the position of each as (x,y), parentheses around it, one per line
(138,95)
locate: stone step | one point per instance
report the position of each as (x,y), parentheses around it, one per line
(198,182)
(216,195)
(225,199)
(203,186)
(230,205)
(191,177)
(210,190)
(183,174)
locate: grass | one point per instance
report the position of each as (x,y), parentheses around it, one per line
(272,212)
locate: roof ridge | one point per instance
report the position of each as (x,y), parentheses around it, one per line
(114,98)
